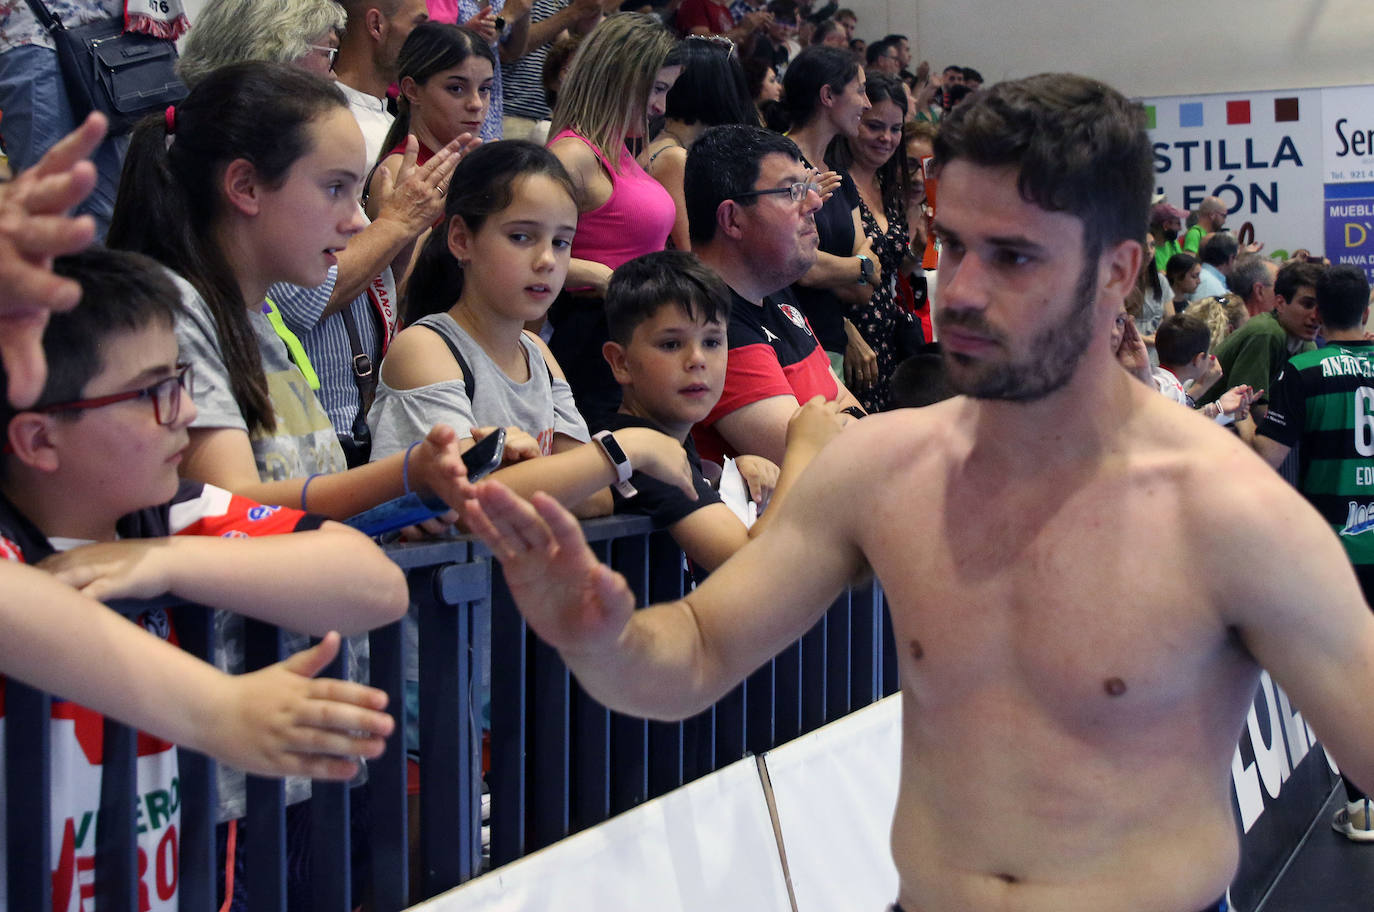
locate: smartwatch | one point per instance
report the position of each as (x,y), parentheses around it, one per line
(623,469)
(865,270)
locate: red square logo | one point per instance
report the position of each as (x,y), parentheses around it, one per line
(1238,112)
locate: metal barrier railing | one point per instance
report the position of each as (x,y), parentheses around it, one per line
(559,762)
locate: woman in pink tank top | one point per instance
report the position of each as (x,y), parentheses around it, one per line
(617,81)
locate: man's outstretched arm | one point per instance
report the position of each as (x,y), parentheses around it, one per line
(676,658)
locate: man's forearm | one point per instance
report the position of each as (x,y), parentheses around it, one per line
(367,254)
(546,30)
(658,668)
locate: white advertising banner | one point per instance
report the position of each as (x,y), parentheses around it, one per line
(1261,153)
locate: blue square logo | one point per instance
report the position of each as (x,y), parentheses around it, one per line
(1190,114)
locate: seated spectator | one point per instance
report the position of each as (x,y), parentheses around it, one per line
(823,91)
(366,65)
(881,332)
(258,185)
(1154,296)
(883,57)
(446,77)
(470,363)
(1166,221)
(304,33)
(1183,272)
(762,79)
(710,91)
(712,17)
(89,492)
(1209,217)
(619,80)
(1218,256)
(750,204)
(1252,278)
(829,33)
(1223,315)
(1255,354)
(668,315)
(1187,371)
(920,380)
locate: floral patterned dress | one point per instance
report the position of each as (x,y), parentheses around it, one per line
(881,320)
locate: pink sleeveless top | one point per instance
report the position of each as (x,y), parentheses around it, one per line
(635,220)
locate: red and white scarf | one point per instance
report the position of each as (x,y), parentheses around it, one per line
(159,18)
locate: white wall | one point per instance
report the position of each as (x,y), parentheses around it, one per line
(1148,47)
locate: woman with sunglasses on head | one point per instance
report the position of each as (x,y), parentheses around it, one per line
(823,93)
(618,80)
(710,91)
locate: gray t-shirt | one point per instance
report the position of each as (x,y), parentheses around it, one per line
(542,406)
(304,442)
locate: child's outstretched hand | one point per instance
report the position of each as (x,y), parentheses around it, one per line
(282,721)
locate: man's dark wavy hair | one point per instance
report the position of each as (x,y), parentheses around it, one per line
(1080,147)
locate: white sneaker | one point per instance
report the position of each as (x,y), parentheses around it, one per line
(1355,821)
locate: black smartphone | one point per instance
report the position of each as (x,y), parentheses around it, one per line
(484,458)
(414,507)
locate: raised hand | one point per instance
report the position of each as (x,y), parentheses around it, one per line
(34,228)
(573,601)
(414,198)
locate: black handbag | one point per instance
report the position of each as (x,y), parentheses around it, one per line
(124,75)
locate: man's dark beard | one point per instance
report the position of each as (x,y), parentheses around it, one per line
(1054,352)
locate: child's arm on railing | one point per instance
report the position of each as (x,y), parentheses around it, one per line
(273,722)
(331,578)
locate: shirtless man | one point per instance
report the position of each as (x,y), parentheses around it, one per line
(1069,711)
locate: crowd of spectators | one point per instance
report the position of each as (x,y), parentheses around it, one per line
(663,282)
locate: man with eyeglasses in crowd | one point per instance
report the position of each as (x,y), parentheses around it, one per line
(750,211)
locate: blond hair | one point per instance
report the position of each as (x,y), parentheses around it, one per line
(1223,314)
(609,79)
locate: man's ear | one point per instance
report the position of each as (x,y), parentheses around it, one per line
(242,189)
(375,22)
(30,438)
(1117,267)
(614,353)
(459,240)
(727,219)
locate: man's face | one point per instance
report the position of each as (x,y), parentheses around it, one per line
(1264,294)
(1215,215)
(835,38)
(890,62)
(778,236)
(953,76)
(1298,317)
(848,23)
(1169,228)
(409,14)
(904,52)
(1015,305)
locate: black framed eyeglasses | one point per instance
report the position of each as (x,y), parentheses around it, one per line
(166,396)
(796,191)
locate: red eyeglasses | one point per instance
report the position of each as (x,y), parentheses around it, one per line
(166,396)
